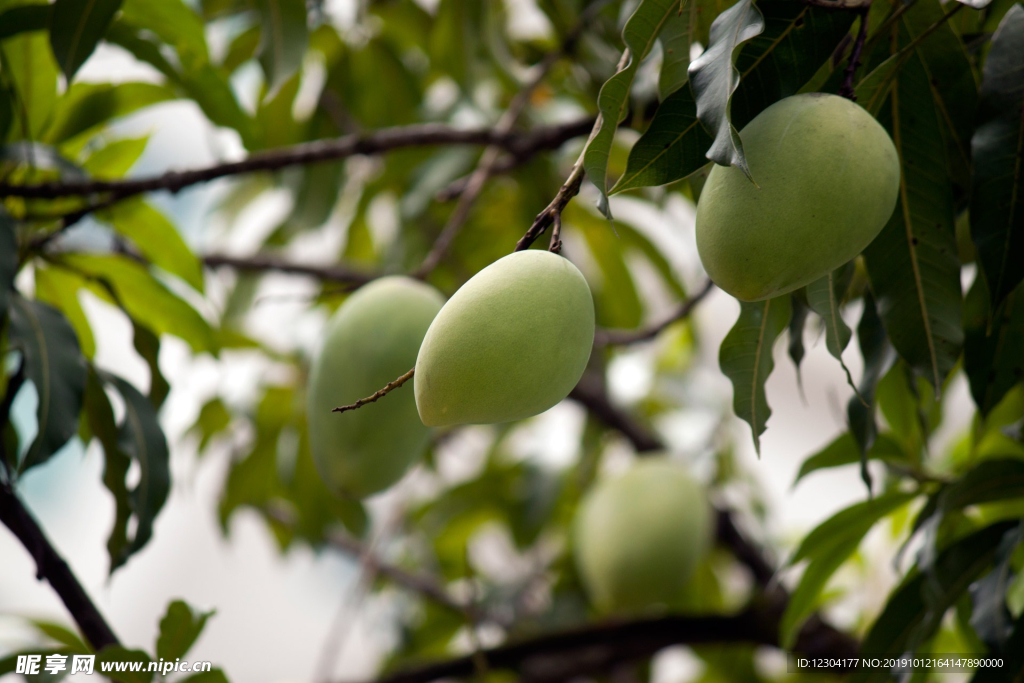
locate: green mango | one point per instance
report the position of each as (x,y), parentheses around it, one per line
(827,177)
(511,343)
(638,537)
(372,339)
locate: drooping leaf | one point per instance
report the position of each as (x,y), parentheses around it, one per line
(746,358)
(61,634)
(284,38)
(60,288)
(714,78)
(143,297)
(797,322)
(53,361)
(796,41)
(676,38)
(87,105)
(140,437)
(913,263)
(827,547)
(639,35)
(990,616)
(156,237)
(845,450)
(114,159)
(32,71)
(148,346)
(825,296)
(997,199)
(76,27)
(914,609)
(179,629)
(8,260)
(878,357)
(993,344)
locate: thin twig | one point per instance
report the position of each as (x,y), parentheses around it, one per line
(555,246)
(52,567)
(545,218)
(619,337)
(261,263)
(847,90)
(376,142)
(388,388)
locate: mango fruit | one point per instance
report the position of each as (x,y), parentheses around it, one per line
(372,339)
(638,537)
(827,177)
(511,343)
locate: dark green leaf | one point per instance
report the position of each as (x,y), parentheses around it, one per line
(639,35)
(8,260)
(676,38)
(61,634)
(913,263)
(87,105)
(284,39)
(179,629)
(844,450)
(211,676)
(76,27)
(825,296)
(990,617)
(60,288)
(997,199)
(878,358)
(117,655)
(54,363)
(796,41)
(714,78)
(746,358)
(24,19)
(796,334)
(993,344)
(148,346)
(173,21)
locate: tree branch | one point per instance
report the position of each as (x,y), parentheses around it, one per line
(545,218)
(52,567)
(846,89)
(376,142)
(375,396)
(260,263)
(618,337)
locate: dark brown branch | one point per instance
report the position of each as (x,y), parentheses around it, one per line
(847,89)
(618,337)
(590,393)
(52,567)
(380,393)
(261,263)
(547,217)
(376,142)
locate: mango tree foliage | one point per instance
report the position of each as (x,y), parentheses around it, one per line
(371,123)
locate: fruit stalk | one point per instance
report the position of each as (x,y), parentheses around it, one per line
(387,389)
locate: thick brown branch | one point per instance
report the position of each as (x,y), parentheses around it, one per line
(590,393)
(380,393)
(52,567)
(261,263)
(376,142)
(618,337)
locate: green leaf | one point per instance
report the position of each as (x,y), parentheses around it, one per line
(284,39)
(913,264)
(914,610)
(8,260)
(143,297)
(87,105)
(211,676)
(100,417)
(214,417)
(156,237)
(639,34)
(617,302)
(825,296)
(24,19)
(676,39)
(987,482)
(714,79)
(845,450)
(59,288)
(148,346)
(76,27)
(997,199)
(54,363)
(796,335)
(114,159)
(31,70)
(746,358)
(140,437)
(990,616)
(120,659)
(878,357)
(179,629)
(61,634)
(173,21)
(993,344)
(796,41)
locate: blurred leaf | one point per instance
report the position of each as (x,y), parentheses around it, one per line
(140,437)
(844,450)
(211,676)
(148,346)
(455,38)
(909,616)
(8,260)
(242,49)
(714,79)
(24,19)
(41,157)
(284,39)
(143,298)
(997,201)
(30,68)
(993,344)
(913,264)
(990,617)
(878,357)
(87,105)
(59,288)
(156,237)
(797,321)
(676,39)
(214,418)
(173,21)
(617,303)
(116,653)
(988,481)
(100,416)
(114,159)
(54,363)
(9,664)
(179,629)
(746,358)
(796,41)
(61,634)
(639,35)
(76,27)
